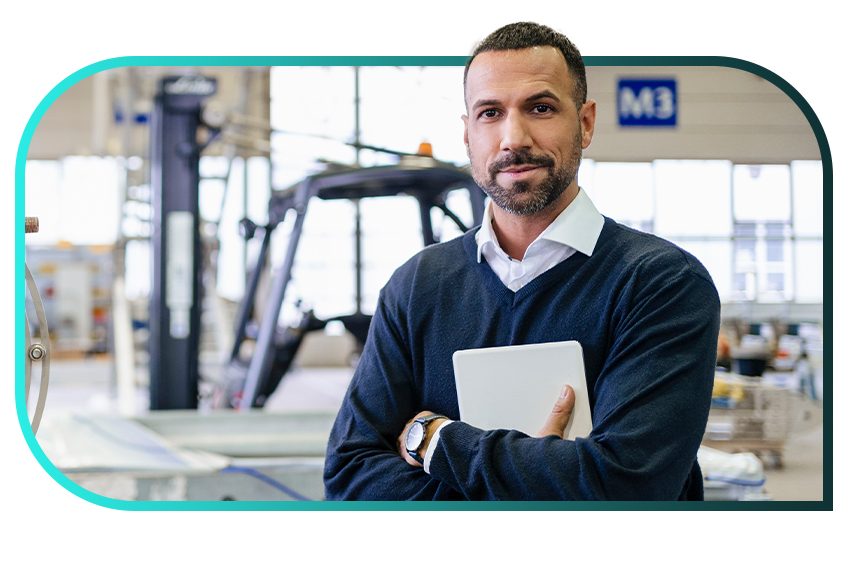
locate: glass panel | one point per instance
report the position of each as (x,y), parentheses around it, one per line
(774,250)
(210,197)
(41,199)
(774,282)
(757,265)
(746,286)
(625,192)
(138,263)
(761,192)
(76,200)
(693,198)
(761,207)
(258,189)
(312,109)
(401,107)
(231,263)
(745,229)
(391,234)
(213,166)
(777,229)
(809,271)
(323,273)
(586,177)
(808,198)
(746,252)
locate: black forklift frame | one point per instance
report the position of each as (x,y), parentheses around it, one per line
(427,180)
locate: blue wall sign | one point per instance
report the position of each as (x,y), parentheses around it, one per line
(647,102)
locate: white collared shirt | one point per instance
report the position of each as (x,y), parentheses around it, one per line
(576,229)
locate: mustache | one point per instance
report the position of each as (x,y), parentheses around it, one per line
(520,158)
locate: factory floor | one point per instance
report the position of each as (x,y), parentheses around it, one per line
(87,387)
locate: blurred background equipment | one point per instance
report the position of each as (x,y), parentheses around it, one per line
(770,396)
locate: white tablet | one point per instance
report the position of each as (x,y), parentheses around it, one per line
(515,387)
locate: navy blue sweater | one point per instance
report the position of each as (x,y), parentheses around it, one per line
(646,314)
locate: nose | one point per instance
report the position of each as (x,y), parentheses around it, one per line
(515,133)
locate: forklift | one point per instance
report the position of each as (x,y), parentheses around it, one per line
(252,379)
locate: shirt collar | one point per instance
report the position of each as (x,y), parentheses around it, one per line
(485,235)
(578,226)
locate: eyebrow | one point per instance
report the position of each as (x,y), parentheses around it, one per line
(543,94)
(531,98)
(487,102)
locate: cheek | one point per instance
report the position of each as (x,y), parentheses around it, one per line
(476,149)
(482,139)
(558,136)
(563,146)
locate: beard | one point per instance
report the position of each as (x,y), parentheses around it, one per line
(522,197)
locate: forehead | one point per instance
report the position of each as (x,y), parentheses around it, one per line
(514,73)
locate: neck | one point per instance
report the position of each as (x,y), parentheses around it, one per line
(515,232)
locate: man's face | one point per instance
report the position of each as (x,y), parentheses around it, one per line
(523,132)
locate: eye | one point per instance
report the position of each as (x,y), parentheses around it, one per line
(489,113)
(542,109)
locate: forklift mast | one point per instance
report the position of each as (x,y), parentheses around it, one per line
(175,296)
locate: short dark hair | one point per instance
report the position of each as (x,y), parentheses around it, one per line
(523,35)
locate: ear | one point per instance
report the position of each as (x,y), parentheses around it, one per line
(465,136)
(587,121)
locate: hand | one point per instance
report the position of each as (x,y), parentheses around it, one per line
(430,429)
(560,415)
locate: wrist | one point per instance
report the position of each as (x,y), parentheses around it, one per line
(431,429)
(416,436)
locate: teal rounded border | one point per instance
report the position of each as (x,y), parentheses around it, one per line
(694,61)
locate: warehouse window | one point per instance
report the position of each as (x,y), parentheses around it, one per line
(762,214)
(312,113)
(625,192)
(808,227)
(224,203)
(76,200)
(324,276)
(390,236)
(692,198)
(693,211)
(138,273)
(747,224)
(41,199)
(402,107)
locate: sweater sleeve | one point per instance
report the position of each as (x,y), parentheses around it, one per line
(651,406)
(362,462)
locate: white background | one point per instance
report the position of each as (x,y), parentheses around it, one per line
(46,41)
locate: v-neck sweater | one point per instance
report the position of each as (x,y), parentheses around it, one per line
(646,314)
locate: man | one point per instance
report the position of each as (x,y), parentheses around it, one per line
(545,266)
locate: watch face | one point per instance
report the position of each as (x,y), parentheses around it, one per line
(414,436)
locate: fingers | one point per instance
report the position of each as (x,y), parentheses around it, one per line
(560,415)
